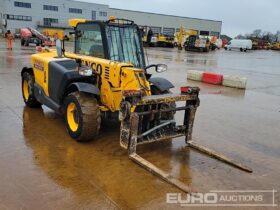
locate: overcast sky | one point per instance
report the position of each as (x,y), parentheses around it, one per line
(238,16)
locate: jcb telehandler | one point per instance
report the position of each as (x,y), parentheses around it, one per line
(106,75)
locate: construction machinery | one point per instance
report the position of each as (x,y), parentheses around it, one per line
(165,40)
(182,35)
(197,43)
(54,33)
(261,45)
(276,46)
(158,39)
(106,77)
(31,35)
(27,37)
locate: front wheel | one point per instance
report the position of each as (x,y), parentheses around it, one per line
(27,87)
(82,116)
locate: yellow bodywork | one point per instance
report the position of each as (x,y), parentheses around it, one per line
(55,33)
(183,34)
(276,46)
(162,38)
(116,77)
(74,22)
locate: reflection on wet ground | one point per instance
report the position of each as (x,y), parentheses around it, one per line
(42,168)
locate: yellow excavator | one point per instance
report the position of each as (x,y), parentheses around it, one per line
(182,35)
(107,77)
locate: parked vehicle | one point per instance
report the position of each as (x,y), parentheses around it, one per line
(54,33)
(261,45)
(225,42)
(219,43)
(97,82)
(32,36)
(26,37)
(276,46)
(241,44)
(182,35)
(197,43)
(165,40)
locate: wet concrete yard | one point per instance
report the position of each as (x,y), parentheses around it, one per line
(41,167)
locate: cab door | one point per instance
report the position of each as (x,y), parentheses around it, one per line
(40,69)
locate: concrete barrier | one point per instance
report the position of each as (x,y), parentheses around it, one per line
(235,82)
(212,78)
(194,75)
(217,79)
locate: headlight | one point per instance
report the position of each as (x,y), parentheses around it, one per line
(85,72)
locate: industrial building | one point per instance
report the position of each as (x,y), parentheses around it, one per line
(168,24)
(41,14)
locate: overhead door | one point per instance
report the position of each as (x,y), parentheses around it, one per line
(169,31)
(156,30)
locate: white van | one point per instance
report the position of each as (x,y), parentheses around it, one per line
(240,44)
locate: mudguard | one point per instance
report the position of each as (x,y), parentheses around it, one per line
(161,83)
(84,87)
(26,69)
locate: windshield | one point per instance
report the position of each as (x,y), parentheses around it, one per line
(124,45)
(90,42)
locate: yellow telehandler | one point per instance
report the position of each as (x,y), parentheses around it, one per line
(107,75)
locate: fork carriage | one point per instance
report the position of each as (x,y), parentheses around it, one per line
(146,125)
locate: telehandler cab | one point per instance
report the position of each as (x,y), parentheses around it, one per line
(106,75)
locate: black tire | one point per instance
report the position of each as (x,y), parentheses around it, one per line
(22,42)
(26,43)
(27,87)
(206,49)
(86,115)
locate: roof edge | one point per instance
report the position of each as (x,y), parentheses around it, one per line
(153,13)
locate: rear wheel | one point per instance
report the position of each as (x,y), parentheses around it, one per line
(28,81)
(82,116)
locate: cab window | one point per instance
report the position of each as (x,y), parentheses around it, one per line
(90,42)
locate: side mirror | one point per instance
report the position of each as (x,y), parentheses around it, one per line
(58,45)
(161,68)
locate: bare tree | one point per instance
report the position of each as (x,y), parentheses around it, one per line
(257,33)
(240,36)
(277,36)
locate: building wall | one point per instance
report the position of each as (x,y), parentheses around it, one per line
(167,21)
(38,13)
(2,11)
(161,22)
